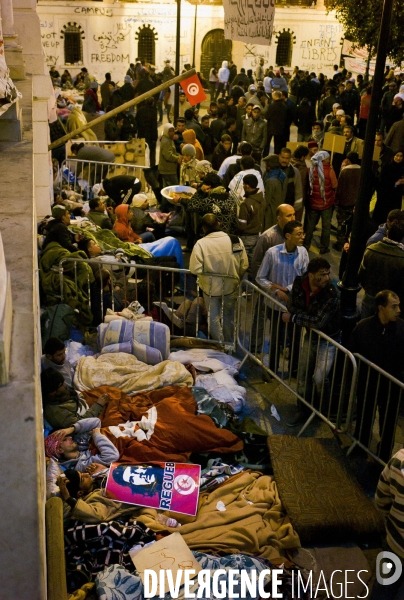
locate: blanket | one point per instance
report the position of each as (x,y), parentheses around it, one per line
(109,241)
(50,281)
(150,341)
(127,373)
(160,425)
(254,521)
(216,374)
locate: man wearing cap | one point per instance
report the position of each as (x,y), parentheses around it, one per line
(251,96)
(255,133)
(57,229)
(328,119)
(64,407)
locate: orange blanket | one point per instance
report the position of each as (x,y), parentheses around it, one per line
(171,431)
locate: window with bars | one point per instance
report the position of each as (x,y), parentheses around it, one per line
(73,46)
(284,49)
(146,45)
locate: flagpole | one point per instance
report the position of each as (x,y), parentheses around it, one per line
(177,62)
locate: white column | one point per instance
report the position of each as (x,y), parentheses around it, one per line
(7,17)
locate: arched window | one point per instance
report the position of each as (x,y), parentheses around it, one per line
(284,49)
(73,46)
(146,49)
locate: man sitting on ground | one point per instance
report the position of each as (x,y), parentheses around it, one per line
(54,357)
(57,229)
(97,214)
(64,407)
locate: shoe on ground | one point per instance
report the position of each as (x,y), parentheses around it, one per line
(297,419)
(324,250)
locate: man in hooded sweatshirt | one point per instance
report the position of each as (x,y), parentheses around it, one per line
(251,215)
(168,161)
(223,77)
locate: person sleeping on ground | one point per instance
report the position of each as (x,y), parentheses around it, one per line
(70,447)
(63,407)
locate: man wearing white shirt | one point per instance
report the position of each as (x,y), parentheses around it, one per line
(236,184)
(281,265)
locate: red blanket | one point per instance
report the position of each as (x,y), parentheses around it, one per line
(178,431)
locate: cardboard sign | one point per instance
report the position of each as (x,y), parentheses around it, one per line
(334,143)
(193,90)
(293,145)
(164,486)
(169,554)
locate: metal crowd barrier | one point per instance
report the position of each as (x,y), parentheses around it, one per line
(316,369)
(378,399)
(165,289)
(83,174)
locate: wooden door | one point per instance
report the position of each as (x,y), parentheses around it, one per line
(214,49)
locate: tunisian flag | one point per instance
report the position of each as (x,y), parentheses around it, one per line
(193,90)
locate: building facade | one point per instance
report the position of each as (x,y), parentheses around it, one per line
(107,37)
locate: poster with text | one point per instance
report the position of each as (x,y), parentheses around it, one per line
(163,486)
(249,22)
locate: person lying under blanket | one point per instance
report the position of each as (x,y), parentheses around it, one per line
(63,407)
(70,447)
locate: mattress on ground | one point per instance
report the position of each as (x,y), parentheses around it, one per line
(321,496)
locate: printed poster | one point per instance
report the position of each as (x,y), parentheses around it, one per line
(163,486)
(249,22)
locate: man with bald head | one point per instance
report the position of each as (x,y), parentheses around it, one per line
(272,236)
(219,252)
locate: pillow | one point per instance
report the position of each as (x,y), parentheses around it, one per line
(322,498)
(122,347)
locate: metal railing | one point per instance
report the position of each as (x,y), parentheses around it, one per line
(81,175)
(378,398)
(170,292)
(315,368)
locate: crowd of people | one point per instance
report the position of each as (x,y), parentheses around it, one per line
(250,214)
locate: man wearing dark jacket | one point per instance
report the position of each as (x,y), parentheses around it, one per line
(276,121)
(97,214)
(146,120)
(251,215)
(190,123)
(382,268)
(350,100)
(380,339)
(57,230)
(314,304)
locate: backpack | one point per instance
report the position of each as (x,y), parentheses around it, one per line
(57,321)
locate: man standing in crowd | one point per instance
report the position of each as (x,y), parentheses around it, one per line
(255,133)
(382,268)
(314,304)
(293,182)
(281,265)
(219,252)
(345,197)
(380,339)
(276,123)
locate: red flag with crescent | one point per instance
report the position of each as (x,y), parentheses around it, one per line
(193,90)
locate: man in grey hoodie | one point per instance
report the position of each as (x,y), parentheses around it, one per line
(223,77)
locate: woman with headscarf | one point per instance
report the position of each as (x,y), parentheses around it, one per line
(189,137)
(323,183)
(168,246)
(275,189)
(91,104)
(188,166)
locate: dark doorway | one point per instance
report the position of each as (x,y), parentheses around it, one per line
(214,49)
